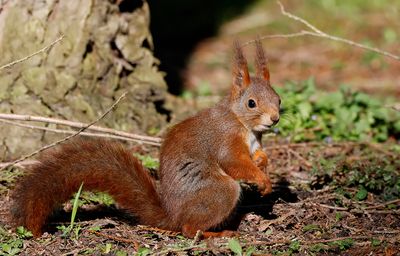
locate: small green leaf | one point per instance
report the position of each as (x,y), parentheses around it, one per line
(235,246)
(95,228)
(375,242)
(319,247)
(338,216)
(75,206)
(344,244)
(361,194)
(305,109)
(143,251)
(121,253)
(250,251)
(148,161)
(23,232)
(107,248)
(294,246)
(311,227)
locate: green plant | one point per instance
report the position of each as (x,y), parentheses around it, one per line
(88,197)
(11,244)
(148,161)
(235,246)
(343,244)
(143,251)
(309,114)
(294,246)
(22,232)
(107,248)
(376,174)
(311,227)
(67,230)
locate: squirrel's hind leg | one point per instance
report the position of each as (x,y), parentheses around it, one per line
(209,205)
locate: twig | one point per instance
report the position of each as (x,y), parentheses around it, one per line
(335,239)
(397,212)
(265,224)
(301,33)
(386,231)
(44,49)
(141,138)
(20,164)
(66,138)
(197,237)
(383,205)
(73,252)
(302,159)
(319,33)
(89,134)
(337,208)
(288,241)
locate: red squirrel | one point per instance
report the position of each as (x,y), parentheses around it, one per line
(201,161)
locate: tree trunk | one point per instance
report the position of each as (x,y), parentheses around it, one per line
(106,51)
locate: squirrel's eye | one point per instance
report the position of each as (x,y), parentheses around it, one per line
(252,103)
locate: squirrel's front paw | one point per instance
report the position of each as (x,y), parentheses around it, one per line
(265,187)
(263,184)
(260,159)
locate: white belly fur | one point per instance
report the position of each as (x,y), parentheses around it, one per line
(253,143)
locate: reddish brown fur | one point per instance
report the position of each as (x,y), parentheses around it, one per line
(201,160)
(261,62)
(101,166)
(241,76)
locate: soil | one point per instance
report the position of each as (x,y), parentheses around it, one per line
(305,214)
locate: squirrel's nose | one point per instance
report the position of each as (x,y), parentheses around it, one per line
(275,119)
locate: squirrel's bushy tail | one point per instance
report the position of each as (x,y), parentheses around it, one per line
(101,166)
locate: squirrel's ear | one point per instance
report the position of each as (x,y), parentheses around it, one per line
(261,61)
(241,77)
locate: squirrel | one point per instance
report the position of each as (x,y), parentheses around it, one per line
(201,161)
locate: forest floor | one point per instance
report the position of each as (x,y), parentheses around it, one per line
(315,208)
(327,199)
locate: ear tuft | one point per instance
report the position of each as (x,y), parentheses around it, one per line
(241,77)
(261,61)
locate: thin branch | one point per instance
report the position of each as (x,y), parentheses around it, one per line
(266,223)
(336,208)
(22,164)
(298,156)
(44,49)
(301,33)
(396,201)
(308,242)
(66,138)
(140,138)
(88,134)
(335,239)
(319,33)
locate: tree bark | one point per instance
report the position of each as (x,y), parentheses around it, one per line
(105,52)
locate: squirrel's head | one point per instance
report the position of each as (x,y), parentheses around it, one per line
(252,99)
